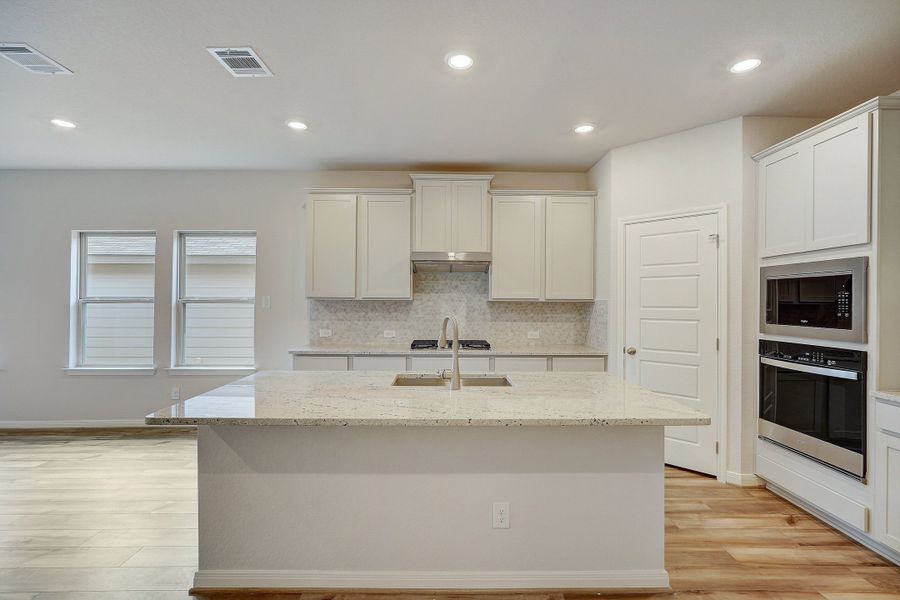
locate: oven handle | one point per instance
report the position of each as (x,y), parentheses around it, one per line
(839,373)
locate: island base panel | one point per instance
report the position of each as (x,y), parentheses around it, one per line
(411,507)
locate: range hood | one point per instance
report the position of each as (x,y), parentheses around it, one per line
(447,262)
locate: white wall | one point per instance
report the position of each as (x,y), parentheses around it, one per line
(40,209)
(699,168)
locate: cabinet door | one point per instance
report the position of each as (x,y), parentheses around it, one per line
(471,217)
(784,189)
(887,481)
(579,363)
(331,246)
(384,240)
(839,210)
(569,259)
(518,242)
(433,216)
(303,362)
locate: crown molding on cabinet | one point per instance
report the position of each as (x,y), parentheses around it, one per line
(451,176)
(585,193)
(389,191)
(879,102)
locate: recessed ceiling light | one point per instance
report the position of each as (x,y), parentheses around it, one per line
(744,65)
(298,125)
(460,62)
(63,123)
(584,128)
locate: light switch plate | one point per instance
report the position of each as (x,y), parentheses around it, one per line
(390,333)
(533,335)
(267,301)
(324,333)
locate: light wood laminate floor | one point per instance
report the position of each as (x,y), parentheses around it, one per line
(112,515)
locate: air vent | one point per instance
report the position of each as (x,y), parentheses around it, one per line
(241,62)
(30,59)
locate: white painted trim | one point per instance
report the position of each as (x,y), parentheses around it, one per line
(238,371)
(841,526)
(74,424)
(432,580)
(367,191)
(586,193)
(721,211)
(743,479)
(110,370)
(451,176)
(879,102)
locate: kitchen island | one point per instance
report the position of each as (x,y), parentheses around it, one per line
(344,480)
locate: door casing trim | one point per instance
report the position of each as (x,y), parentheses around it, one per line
(721,212)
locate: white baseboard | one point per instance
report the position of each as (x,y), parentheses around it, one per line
(433,580)
(74,424)
(841,526)
(743,479)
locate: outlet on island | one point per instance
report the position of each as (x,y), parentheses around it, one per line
(501,515)
(534,334)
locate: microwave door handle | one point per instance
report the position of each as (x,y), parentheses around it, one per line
(839,373)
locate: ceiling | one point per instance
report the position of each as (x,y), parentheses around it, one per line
(370,80)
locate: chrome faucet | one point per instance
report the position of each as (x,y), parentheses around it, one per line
(454,373)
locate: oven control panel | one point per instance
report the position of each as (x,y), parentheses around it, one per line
(817,355)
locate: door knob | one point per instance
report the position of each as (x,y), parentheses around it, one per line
(631,351)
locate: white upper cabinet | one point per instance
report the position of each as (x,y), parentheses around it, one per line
(569,248)
(815,193)
(782,202)
(331,246)
(543,247)
(839,209)
(384,242)
(517,259)
(452,213)
(357,245)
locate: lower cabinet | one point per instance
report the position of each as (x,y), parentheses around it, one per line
(472,364)
(579,363)
(321,363)
(520,364)
(379,363)
(887,475)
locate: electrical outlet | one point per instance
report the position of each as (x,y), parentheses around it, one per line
(324,333)
(501,515)
(390,333)
(534,334)
(176,393)
(267,301)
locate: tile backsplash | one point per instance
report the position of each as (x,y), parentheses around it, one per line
(465,296)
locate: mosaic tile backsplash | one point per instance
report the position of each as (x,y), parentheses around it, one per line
(465,296)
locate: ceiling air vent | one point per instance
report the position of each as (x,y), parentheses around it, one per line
(241,62)
(28,58)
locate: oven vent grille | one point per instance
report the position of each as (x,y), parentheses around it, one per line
(31,60)
(241,62)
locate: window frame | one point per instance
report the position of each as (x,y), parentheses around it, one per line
(79,300)
(180,301)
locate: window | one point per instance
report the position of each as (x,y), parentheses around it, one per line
(214,299)
(113,280)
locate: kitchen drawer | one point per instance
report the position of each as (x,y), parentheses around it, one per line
(320,363)
(469,364)
(887,416)
(521,364)
(579,363)
(396,364)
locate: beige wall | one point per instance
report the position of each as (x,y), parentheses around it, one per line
(40,209)
(700,168)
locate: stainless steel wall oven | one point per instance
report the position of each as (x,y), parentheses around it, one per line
(812,399)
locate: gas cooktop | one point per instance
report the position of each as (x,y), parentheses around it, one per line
(463,344)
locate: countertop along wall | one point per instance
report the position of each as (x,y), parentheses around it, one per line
(39,209)
(699,168)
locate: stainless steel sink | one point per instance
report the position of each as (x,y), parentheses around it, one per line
(430,380)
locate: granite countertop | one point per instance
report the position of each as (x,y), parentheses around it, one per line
(367,398)
(889,395)
(400,349)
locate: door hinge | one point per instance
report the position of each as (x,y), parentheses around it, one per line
(714,237)
(717,447)
(717,344)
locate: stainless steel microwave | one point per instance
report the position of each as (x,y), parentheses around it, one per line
(823,300)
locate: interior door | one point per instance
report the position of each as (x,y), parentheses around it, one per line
(671,325)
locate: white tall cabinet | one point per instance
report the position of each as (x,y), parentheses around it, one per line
(358,244)
(452,213)
(543,246)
